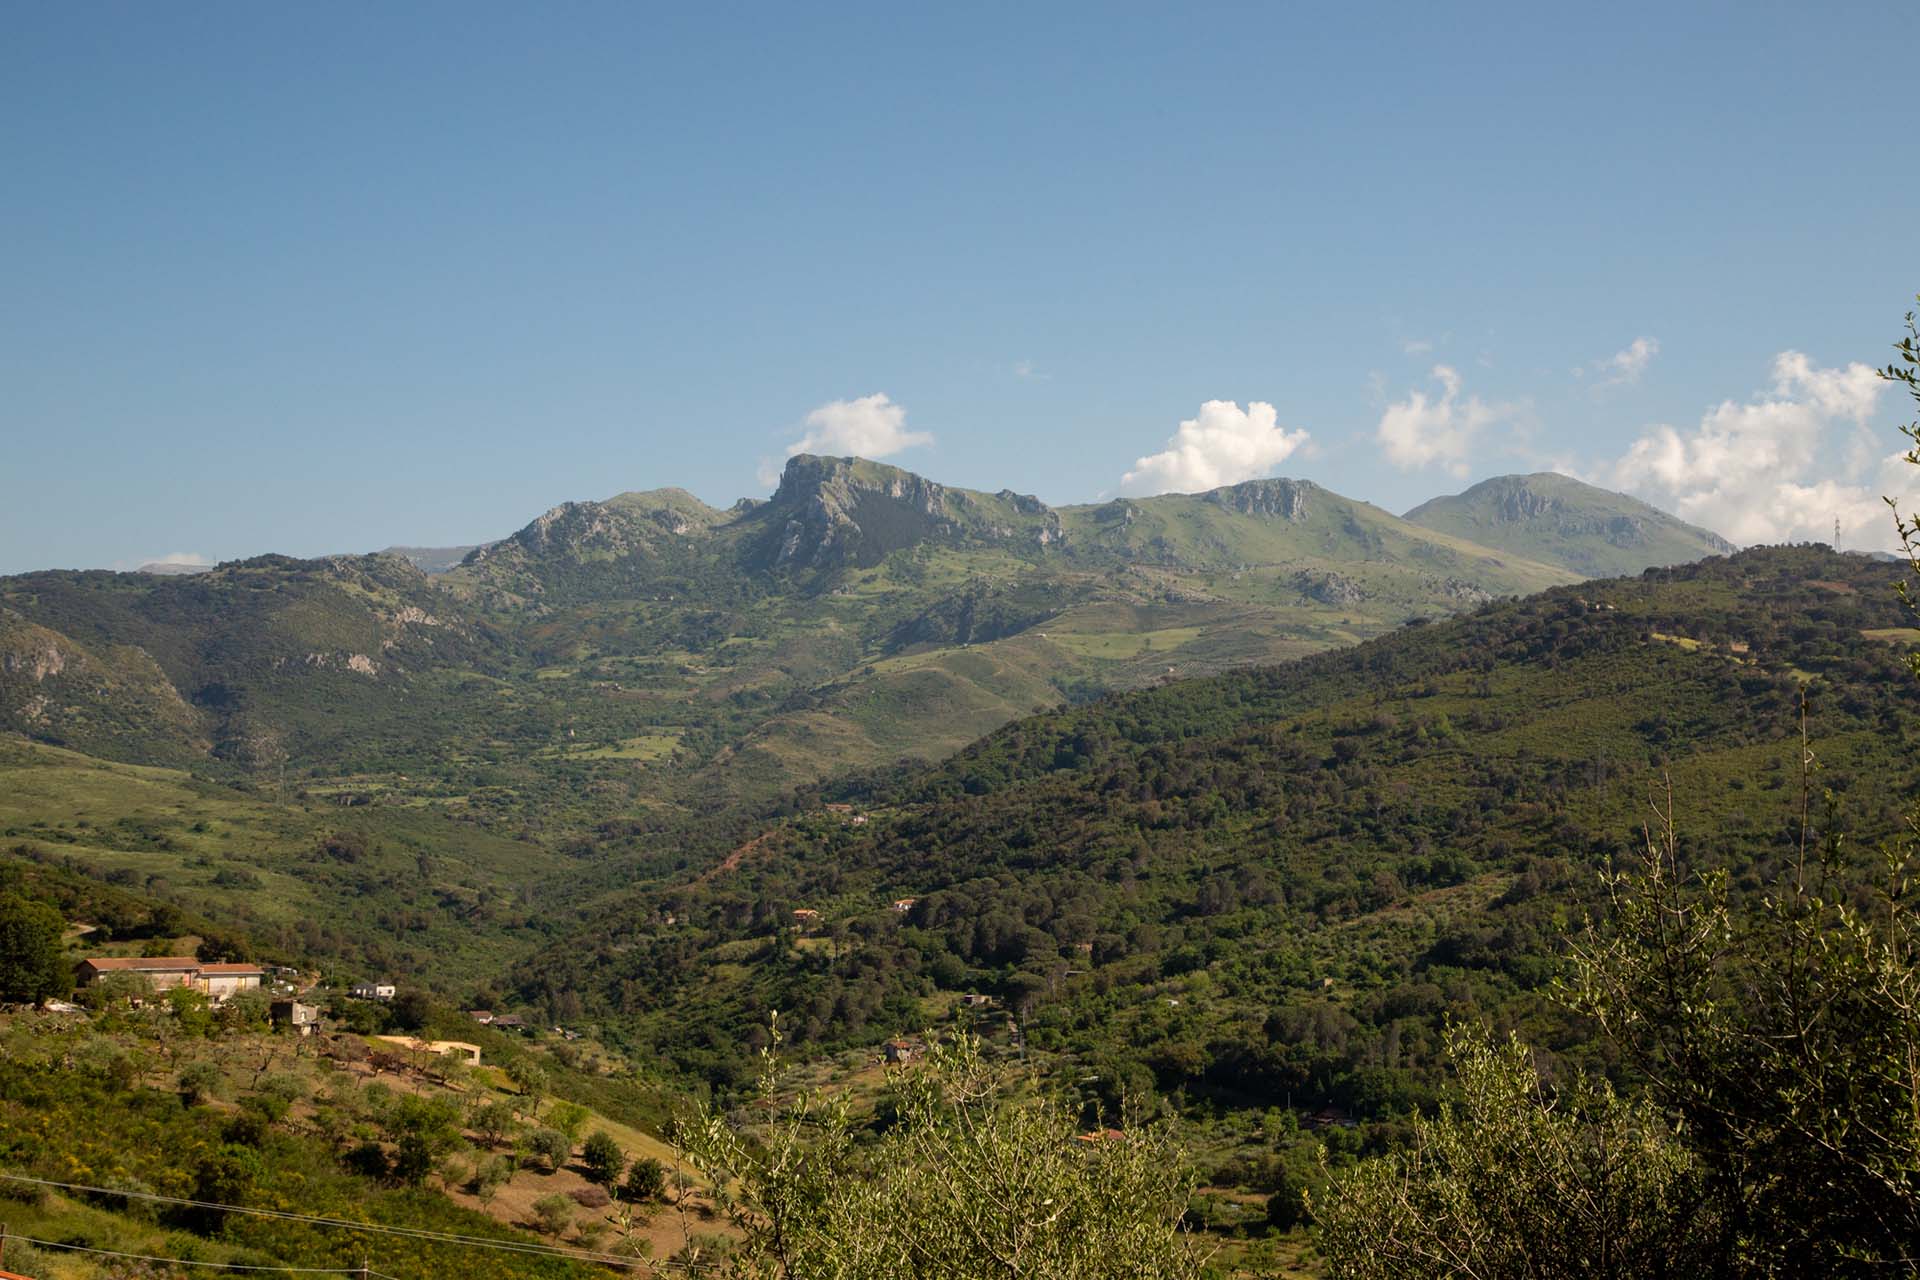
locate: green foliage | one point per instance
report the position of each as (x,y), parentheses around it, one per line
(569,1118)
(603,1159)
(1559,520)
(646,1181)
(496,1121)
(1521,1178)
(192,1011)
(1270,887)
(1784,1033)
(68,1113)
(969,1180)
(33,964)
(200,1081)
(554,1213)
(423,1129)
(530,1078)
(411,1009)
(490,1175)
(551,1146)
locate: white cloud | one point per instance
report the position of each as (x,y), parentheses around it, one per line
(1424,431)
(869,427)
(193,558)
(1623,368)
(1225,444)
(1779,467)
(1417,347)
(1027,371)
(872,427)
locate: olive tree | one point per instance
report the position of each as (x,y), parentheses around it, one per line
(977,1176)
(1782,1032)
(1518,1178)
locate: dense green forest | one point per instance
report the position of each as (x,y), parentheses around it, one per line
(1271,888)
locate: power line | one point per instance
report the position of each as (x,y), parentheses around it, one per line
(183,1262)
(424,1234)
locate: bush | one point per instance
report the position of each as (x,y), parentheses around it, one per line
(369,1160)
(200,1081)
(553,1213)
(603,1158)
(550,1145)
(646,1180)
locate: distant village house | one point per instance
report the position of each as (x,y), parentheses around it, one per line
(304,1019)
(216,981)
(371,991)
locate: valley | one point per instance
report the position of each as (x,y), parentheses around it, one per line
(1212,811)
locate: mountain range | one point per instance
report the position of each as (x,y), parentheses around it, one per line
(653,654)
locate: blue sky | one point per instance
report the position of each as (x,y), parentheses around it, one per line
(326,279)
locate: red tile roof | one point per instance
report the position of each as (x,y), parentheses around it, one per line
(144,964)
(171,964)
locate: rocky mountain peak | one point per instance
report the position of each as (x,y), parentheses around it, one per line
(1276,499)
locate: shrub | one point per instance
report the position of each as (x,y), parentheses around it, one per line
(553,1213)
(551,1146)
(603,1158)
(646,1180)
(369,1160)
(200,1081)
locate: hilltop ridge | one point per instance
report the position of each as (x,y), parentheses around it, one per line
(1567,522)
(652,652)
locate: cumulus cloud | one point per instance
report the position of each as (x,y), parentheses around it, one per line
(1225,444)
(1425,430)
(190,559)
(1781,466)
(1623,368)
(872,426)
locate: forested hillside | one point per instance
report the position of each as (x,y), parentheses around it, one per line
(1273,886)
(654,659)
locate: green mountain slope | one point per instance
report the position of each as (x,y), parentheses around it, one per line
(380,889)
(1561,521)
(652,657)
(1278,883)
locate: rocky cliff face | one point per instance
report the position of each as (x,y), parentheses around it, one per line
(576,528)
(830,513)
(1274,499)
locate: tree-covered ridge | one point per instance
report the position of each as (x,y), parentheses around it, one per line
(1275,884)
(653,658)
